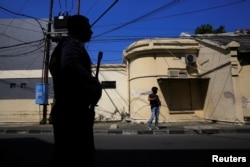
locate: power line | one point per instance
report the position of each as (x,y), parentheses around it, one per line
(25,43)
(199,10)
(7,10)
(92,6)
(140,17)
(22,54)
(19,28)
(104,12)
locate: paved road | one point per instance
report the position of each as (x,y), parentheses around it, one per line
(34,150)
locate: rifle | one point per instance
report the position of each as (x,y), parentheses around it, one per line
(100,54)
(98,64)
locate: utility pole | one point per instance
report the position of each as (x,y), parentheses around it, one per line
(46,60)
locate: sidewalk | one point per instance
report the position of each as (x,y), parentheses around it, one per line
(131,128)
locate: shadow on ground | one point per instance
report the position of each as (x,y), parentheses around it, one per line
(32,152)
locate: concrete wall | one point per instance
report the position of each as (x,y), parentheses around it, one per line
(20,111)
(245,89)
(112,106)
(223,98)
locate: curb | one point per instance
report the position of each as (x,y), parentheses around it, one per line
(135,131)
(33,131)
(171,131)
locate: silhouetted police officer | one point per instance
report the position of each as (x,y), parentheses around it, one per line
(75,90)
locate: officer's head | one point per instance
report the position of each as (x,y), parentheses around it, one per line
(78,26)
(154,89)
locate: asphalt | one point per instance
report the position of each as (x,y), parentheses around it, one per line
(133,128)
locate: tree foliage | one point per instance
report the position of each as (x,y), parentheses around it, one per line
(208,29)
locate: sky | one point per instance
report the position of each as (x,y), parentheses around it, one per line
(119,23)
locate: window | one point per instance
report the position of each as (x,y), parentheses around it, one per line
(12,85)
(108,84)
(23,85)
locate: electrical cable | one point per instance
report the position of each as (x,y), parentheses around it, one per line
(25,43)
(43,30)
(23,54)
(164,17)
(140,17)
(199,10)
